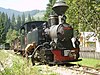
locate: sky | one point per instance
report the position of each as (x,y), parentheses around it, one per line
(24,5)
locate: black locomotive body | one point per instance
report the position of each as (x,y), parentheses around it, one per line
(53,38)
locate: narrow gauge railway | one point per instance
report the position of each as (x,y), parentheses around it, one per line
(85,69)
(74,69)
(80,69)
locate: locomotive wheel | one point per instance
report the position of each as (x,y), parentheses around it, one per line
(42,55)
(39,56)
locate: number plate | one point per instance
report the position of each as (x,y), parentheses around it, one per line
(66,52)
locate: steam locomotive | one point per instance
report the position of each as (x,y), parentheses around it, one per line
(53,38)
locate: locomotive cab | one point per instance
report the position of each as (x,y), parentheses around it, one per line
(31,32)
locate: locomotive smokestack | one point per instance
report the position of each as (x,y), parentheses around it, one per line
(60,7)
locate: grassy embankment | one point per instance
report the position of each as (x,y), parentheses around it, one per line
(16,65)
(89,62)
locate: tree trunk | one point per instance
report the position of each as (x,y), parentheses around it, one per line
(97,45)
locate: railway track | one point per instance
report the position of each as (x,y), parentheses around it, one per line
(75,69)
(85,69)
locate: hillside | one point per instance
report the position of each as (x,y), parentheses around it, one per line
(39,15)
(10,12)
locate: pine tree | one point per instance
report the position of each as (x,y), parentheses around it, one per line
(2,28)
(23,18)
(11,35)
(13,22)
(7,25)
(18,25)
(29,18)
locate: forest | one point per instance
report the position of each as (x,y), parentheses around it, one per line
(83,15)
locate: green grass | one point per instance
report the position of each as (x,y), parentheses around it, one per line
(22,67)
(3,55)
(89,62)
